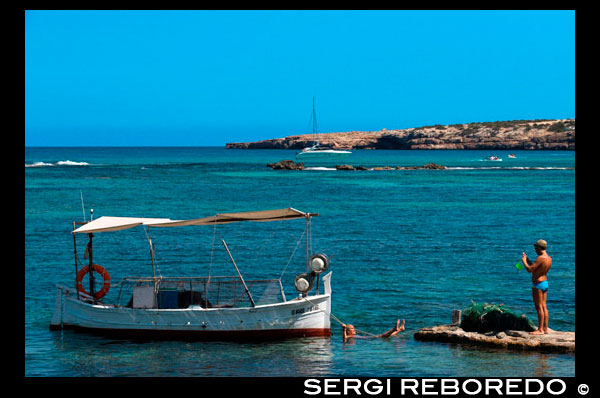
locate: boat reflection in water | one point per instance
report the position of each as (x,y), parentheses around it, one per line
(85,354)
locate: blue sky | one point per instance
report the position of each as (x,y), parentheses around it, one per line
(179,78)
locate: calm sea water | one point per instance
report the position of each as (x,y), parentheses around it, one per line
(408,244)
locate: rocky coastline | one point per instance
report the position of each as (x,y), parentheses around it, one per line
(547,134)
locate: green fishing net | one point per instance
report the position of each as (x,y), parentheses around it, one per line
(491,317)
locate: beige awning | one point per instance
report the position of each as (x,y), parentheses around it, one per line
(226,218)
(107,224)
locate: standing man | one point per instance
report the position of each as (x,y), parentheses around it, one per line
(539,270)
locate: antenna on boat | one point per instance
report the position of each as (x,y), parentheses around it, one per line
(89,250)
(82,207)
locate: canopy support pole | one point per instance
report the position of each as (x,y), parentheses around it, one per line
(75,255)
(153,263)
(240,275)
(151,254)
(309,247)
(91,264)
(307,239)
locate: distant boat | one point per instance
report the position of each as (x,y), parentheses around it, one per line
(512,156)
(317,150)
(493,158)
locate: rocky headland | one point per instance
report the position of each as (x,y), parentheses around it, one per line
(554,134)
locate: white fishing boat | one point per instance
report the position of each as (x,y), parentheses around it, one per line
(318,151)
(208,307)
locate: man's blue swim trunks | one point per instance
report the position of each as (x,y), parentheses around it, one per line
(543,285)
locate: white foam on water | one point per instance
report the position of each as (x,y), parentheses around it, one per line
(59,163)
(38,164)
(71,163)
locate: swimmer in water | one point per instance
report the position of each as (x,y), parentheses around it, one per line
(350,332)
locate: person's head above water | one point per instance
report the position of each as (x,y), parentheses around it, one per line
(350,331)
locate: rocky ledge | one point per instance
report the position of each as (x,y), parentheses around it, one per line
(512,339)
(286,165)
(428,166)
(515,134)
(290,165)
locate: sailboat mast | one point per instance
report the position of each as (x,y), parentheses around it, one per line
(315,133)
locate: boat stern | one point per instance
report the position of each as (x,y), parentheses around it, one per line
(57,317)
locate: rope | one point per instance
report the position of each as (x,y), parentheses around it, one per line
(342,323)
(363,332)
(212,249)
(79,261)
(259,252)
(293,254)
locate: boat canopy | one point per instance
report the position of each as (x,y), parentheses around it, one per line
(107,224)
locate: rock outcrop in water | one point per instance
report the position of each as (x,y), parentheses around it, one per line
(516,134)
(291,165)
(286,165)
(428,166)
(512,339)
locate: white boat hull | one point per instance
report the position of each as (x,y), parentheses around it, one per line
(301,317)
(326,154)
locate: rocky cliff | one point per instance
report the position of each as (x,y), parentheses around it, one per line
(515,134)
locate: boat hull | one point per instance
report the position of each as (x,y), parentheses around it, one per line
(301,317)
(208,335)
(323,155)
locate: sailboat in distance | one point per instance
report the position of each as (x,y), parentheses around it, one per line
(317,150)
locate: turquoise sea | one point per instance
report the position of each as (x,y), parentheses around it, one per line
(409,244)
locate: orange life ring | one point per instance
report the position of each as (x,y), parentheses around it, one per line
(105,276)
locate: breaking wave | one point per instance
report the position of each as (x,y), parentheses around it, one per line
(59,163)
